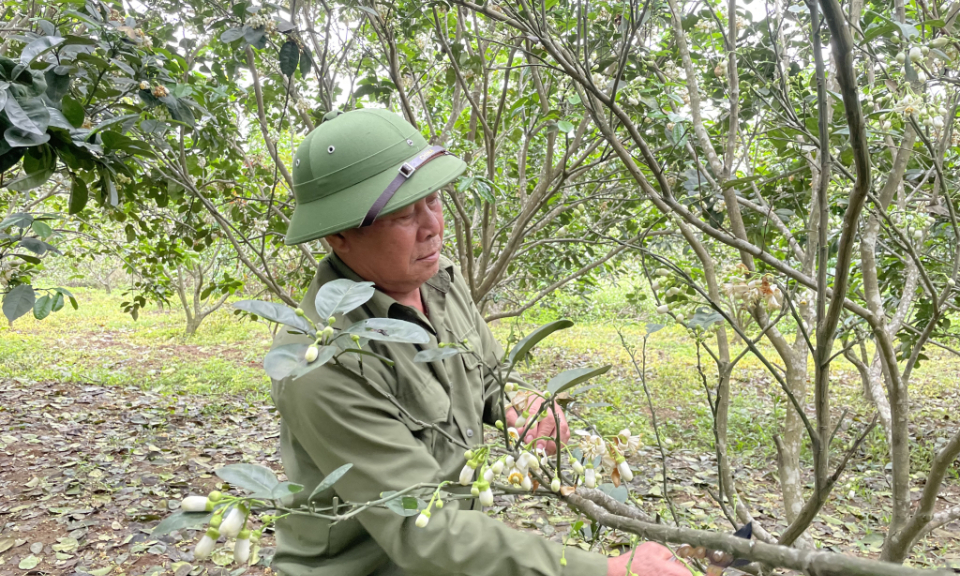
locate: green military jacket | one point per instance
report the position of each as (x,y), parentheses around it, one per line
(330,417)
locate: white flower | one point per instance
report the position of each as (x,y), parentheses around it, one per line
(466,475)
(311,354)
(555,484)
(205,545)
(509,462)
(488,475)
(196,504)
(526,461)
(916,54)
(144,85)
(486,497)
(515,476)
(497,468)
(241,551)
(577,467)
(423,519)
(590,478)
(592,446)
(513,433)
(233,523)
(625,473)
(527,484)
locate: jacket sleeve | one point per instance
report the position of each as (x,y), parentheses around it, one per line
(338,419)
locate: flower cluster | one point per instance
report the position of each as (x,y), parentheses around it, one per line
(160,91)
(257,21)
(231,526)
(750,292)
(612,453)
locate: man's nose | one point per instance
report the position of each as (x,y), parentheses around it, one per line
(431,221)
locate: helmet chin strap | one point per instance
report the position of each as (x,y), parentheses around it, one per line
(406,171)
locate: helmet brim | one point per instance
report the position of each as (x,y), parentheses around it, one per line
(346,208)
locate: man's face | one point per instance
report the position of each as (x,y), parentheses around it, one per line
(400,251)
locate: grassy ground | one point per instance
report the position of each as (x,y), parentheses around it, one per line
(100,345)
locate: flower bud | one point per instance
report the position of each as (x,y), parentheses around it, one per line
(563,561)
(214,496)
(625,473)
(951,282)
(555,484)
(916,54)
(216,521)
(355,338)
(521,421)
(474,491)
(331,321)
(624,436)
(486,497)
(590,478)
(255,536)
(497,468)
(233,523)
(438,503)
(468,455)
(527,483)
(488,475)
(205,545)
(663,309)
(196,504)
(327,333)
(241,550)
(311,354)
(499,424)
(577,467)
(300,312)
(423,519)
(466,475)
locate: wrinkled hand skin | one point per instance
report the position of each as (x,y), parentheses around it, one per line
(650,559)
(545,427)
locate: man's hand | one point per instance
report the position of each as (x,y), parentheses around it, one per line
(546,427)
(650,559)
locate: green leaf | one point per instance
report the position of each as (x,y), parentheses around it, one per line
(329,481)
(73,111)
(435,354)
(254,36)
(18,219)
(78,196)
(252,477)
(231,35)
(519,352)
(618,493)
(18,301)
(404,505)
(306,62)
(275,313)
(34,49)
(29,563)
(41,228)
(68,294)
(875,30)
(389,330)
(289,58)
(283,360)
(704,318)
(569,378)
(42,307)
(341,296)
(179,521)
(20,119)
(651,328)
(284,489)
(57,301)
(19,138)
(564,126)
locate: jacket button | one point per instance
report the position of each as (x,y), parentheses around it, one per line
(469,432)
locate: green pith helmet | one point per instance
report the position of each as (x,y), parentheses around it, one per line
(361,164)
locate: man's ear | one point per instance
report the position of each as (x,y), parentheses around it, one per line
(338,242)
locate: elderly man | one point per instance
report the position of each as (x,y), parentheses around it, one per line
(369,183)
